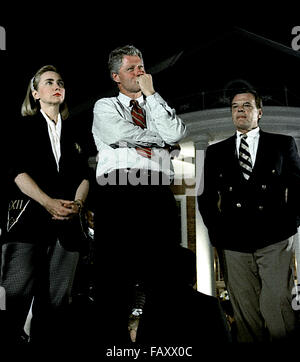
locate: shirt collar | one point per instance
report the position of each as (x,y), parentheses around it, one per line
(50,122)
(126,100)
(251,134)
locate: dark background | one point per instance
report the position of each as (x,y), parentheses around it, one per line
(192,52)
(207,50)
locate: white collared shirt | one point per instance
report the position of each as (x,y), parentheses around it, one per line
(54,131)
(116,135)
(252,140)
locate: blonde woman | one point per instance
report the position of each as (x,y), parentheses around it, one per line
(49,184)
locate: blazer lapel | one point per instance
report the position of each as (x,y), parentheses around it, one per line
(262,150)
(46,142)
(234,157)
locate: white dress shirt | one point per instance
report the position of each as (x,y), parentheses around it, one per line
(116,135)
(54,130)
(252,140)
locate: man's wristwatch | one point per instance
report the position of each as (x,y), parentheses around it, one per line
(137,312)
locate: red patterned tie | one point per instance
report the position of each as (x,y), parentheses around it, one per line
(139,119)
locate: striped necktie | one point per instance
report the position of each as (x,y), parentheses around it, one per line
(245,158)
(139,119)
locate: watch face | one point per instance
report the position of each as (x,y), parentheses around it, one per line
(137,312)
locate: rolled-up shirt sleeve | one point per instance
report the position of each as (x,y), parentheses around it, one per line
(169,126)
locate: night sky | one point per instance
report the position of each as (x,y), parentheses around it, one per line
(79,42)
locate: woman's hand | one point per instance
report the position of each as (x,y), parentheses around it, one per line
(61,209)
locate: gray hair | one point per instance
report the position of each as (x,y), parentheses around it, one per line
(116,57)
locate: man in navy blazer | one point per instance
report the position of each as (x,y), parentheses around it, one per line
(251,216)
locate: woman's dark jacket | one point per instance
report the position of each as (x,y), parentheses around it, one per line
(32,153)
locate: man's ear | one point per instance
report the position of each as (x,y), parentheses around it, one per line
(260,113)
(115,77)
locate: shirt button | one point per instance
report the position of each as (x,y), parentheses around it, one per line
(260,207)
(273,171)
(230,188)
(238,205)
(264,187)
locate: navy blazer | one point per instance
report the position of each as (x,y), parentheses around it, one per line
(246,215)
(32,153)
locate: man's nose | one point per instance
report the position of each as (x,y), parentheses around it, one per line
(139,72)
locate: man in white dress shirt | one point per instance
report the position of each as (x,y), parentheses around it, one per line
(136,220)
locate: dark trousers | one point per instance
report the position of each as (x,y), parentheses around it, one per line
(136,229)
(43,272)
